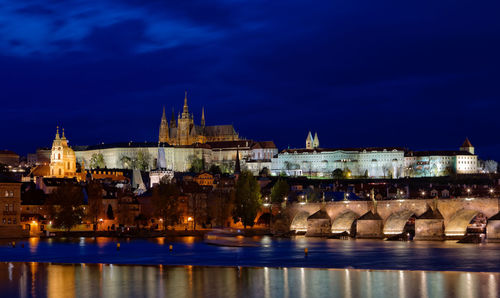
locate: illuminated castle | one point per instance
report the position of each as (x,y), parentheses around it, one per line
(185,132)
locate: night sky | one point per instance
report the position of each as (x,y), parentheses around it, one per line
(413,74)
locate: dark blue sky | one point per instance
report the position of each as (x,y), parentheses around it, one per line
(416,74)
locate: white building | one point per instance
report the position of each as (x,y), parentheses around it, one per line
(254,156)
(441,163)
(383,162)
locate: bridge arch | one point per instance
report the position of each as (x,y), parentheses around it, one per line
(299,222)
(396,222)
(344,222)
(459,221)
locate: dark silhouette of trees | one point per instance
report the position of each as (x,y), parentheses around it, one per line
(247,200)
(165,203)
(65,206)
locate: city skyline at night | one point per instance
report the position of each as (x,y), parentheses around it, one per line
(360,74)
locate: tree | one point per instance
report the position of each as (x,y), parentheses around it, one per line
(490,166)
(109,213)
(265,172)
(198,206)
(338,174)
(197,164)
(220,204)
(126,162)
(97,161)
(141,160)
(215,170)
(227,166)
(94,195)
(165,203)
(247,200)
(65,206)
(279,191)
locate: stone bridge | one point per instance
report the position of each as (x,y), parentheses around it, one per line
(451,218)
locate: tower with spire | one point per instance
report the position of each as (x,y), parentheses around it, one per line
(467,146)
(163,135)
(316,140)
(183,130)
(62,157)
(309,141)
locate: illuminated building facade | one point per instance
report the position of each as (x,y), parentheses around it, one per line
(62,158)
(382,162)
(186,132)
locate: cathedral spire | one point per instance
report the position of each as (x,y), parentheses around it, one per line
(63,136)
(203,116)
(57,133)
(172,120)
(185,110)
(163,135)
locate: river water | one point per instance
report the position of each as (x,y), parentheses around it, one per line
(89,267)
(99,280)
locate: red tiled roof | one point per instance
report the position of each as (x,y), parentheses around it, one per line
(466,143)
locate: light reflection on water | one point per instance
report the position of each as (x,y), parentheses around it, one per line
(97,280)
(323,253)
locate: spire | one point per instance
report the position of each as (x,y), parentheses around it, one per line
(316,140)
(467,146)
(309,141)
(57,133)
(185,110)
(237,167)
(63,136)
(172,119)
(163,135)
(203,116)
(467,143)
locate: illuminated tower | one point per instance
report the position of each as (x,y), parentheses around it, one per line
(309,141)
(184,124)
(316,140)
(467,146)
(163,138)
(62,158)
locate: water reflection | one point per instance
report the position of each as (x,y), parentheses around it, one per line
(52,280)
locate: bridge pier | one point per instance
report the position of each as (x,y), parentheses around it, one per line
(429,225)
(493,228)
(369,226)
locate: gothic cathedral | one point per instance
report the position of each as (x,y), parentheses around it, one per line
(185,132)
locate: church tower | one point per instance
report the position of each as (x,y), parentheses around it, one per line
(173,124)
(62,158)
(316,140)
(184,124)
(467,146)
(163,137)
(309,141)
